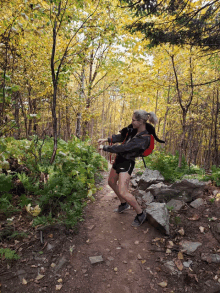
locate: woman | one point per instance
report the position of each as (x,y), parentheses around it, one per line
(135,139)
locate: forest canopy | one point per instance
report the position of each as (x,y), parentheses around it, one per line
(73,68)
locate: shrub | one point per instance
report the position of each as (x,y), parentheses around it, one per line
(61,189)
(167,165)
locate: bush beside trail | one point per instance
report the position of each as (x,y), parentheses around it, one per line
(61,189)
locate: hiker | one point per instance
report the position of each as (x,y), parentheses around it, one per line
(135,139)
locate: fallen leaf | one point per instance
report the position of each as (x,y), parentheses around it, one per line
(217,196)
(168,251)
(181,231)
(180,255)
(156,239)
(39,277)
(179,264)
(202,229)
(58,287)
(50,235)
(146,231)
(143,261)
(194,218)
(170,244)
(60,281)
(163,284)
(130,271)
(53,265)
(136,242)
(139,257)
(24,282)
(115,269)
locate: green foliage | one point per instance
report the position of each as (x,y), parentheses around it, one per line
(61,189)
(5,183)
(5,196)
(215,176)
(18,235)
(167,165)
(8,254)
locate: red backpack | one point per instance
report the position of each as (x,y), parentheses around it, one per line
(149,150)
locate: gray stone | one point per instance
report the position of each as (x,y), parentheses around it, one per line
(217,226)
(149,177)
(191,187)
(210,258)
(176,204)
(61,262)
(95,259)
(144,197)
(187,263)
(189,247)
(50,246)
(148,197)
(134,182)
(197,203)
(215,192)
(170,265)
(21,274)
(158,216)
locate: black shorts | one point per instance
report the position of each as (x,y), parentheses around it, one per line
(122,165)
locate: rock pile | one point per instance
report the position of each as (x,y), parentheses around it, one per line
(157,197)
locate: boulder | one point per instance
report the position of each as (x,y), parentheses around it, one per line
(175,204)
(143,197)
(149,177)
(191,187)
(158,216)
(197,203)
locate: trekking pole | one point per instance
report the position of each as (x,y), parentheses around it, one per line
(144,162)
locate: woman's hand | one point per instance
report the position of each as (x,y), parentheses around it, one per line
(101,147)
(102,140)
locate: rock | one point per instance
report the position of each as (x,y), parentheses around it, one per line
(217,226)
(187,263)
(191,187)
(215,192)
(50,246)
(143,197)
(185,190)
(176,204)
(189,246)
(148,197)
(197,203)
(61,262)
(158,216)
(170,265)
(210,258)
(149,177)
(95,259)
(162,192)
(21,274)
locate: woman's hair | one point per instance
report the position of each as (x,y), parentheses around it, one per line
(141,114)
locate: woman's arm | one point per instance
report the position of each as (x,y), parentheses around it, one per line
(137,144)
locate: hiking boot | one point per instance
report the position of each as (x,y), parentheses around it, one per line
(138,220)
(121,208)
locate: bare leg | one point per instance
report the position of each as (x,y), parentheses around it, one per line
(123,185)
(113,183)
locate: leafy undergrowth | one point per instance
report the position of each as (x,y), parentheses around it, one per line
(167,165)
(49,193)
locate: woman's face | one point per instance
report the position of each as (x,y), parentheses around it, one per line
(136,123)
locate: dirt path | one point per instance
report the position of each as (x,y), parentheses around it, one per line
(128,265)
(133,259)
